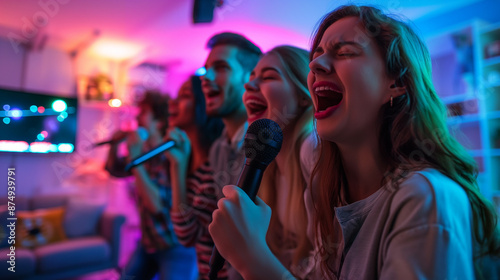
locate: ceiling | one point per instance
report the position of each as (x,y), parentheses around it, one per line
(162,32)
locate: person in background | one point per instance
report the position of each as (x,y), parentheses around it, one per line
(397,196)
(194,193)
(159,250)
(228,65)
(231,59)
(277,90)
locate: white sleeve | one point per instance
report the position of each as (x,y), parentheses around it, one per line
(430,235)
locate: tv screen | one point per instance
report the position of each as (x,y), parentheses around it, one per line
(37,123)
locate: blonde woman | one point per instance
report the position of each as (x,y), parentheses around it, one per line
(277,90)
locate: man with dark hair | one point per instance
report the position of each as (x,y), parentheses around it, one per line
(229,64)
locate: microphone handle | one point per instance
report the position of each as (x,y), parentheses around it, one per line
(249,182)
(103,143)
(148,155)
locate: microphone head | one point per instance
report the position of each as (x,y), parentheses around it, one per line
(263,141)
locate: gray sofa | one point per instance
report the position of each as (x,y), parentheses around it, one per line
(93,241)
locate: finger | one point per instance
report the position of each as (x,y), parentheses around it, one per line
(182,134)
(261,204)
(230,191)
(221,203)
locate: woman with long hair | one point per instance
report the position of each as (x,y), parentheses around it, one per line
(194,193)
(277,90)
(397,196)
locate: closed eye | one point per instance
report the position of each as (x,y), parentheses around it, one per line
(346,54)
(268,78)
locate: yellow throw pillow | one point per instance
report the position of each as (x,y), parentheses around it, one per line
(40,227)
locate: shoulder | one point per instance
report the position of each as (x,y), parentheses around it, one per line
(430,183)
(216,147)
(428,196)
(218,141)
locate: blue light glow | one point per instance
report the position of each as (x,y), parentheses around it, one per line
(33,108)
(200,71)
(40,137)
(6,107)
(16,113)
(6,120)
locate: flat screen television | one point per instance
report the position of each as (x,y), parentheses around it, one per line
(37,123)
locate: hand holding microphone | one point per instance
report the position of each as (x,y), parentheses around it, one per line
(121,135)
(179,154)
(239,226)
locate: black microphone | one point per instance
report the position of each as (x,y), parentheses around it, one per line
(262,144)
(143,133)
(110,141)
(150,154)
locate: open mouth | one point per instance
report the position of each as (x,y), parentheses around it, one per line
(327,97)
(255,108)
(213,93)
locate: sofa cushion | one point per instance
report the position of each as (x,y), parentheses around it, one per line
(48,201)
(81,218)
(39,227)
(72,253)
(25,264)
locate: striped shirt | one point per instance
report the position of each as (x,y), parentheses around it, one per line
(191,224)
(156,228)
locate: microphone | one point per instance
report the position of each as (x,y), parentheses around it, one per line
(150,154)
(143,133)
(110,141)
(262,144)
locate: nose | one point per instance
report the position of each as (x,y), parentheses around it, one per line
(251,85)
(321,65)
(209,75)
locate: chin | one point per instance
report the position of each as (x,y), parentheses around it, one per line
(325,132)
(212,111)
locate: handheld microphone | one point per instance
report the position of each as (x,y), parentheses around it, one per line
(150,154)
(262,144)
(143,133)
(110,141)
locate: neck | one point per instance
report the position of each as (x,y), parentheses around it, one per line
(234,121)
(364,167)
(199,154)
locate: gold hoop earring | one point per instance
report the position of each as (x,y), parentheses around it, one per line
(391,100)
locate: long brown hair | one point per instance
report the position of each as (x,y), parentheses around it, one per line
(295,66)
(413,133)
